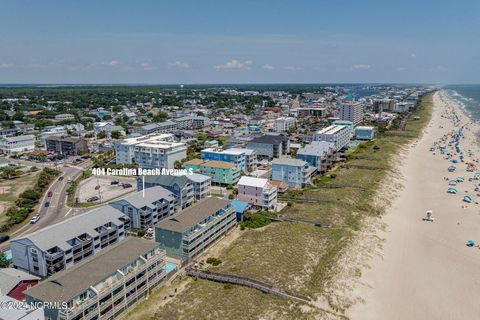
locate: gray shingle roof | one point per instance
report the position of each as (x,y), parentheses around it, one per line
(11,277)
(317,148)
(270,139)
(192,215)
(289,162)
(151,195)
(58,234)
(65,285)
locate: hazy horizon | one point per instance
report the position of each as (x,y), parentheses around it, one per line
(218,42)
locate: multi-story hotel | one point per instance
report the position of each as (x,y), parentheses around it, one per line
(352,111)
(192,230)
(339,135)
(65,244)
(151,151)
(283,124)
(105,285)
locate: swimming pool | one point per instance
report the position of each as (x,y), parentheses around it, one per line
(170,266)
(8,255)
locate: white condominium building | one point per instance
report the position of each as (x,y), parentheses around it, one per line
(9,145)
(150,151)
(351,111)
(339,135)
(283,124)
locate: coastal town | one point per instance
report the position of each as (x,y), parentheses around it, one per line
(239,157)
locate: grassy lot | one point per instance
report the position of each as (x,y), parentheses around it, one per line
(10,189)
(299,257)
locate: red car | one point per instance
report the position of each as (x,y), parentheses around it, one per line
(50,194)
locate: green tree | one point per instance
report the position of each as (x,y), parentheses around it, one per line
(101,135)
(115,134)
(4,263)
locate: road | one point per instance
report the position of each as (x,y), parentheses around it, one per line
(57,210)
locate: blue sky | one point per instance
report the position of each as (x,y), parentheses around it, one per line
(301,41)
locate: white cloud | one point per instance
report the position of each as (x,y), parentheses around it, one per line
(441,68)
(114,63)
(361,66)
(292,68)
(179,64)
(268,67)
(413,55)
(235,64)
(146,66)
(401,69)
(6,65)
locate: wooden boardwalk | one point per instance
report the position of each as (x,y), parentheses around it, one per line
(244,281)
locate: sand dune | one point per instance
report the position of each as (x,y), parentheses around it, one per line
(425,269)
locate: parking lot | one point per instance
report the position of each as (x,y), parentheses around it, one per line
(107,191)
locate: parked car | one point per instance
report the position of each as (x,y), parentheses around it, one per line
(61,178)
(50,194)
(4,238)
(126,185)
(47,204)
(92,199)
(114,182)
(35,218)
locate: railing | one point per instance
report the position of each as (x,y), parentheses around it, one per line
(244,281)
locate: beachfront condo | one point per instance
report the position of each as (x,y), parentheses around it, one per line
(105,285)
(191,231)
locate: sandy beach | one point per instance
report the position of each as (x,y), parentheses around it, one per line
(425,270)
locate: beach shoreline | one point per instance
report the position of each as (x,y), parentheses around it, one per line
(424,270)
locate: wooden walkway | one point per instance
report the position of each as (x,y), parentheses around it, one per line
(244,281)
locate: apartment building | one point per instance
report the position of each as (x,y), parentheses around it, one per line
(150,151)
(9,145)
(296,173)
(283,124)
(147,207)
(339,135)
(221,172)
(64,117)
(184,123)
(70,146)
(259,192)
(200,122)
(364,133)
(104,286)
(233,156)
(194,229)
(250,158)
(64,244)
(187,188)
(318,154)
(270,146)
(352,111)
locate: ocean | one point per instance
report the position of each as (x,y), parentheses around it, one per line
(468,96)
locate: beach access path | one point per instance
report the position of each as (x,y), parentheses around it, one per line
(425,270)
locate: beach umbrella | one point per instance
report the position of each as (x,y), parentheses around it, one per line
(452,190)
(468,198)
(470,243)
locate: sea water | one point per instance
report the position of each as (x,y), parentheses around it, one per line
(467,96)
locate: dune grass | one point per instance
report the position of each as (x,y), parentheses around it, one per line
(300,257)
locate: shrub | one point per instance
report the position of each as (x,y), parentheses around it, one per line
(140,232)
(214,261)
